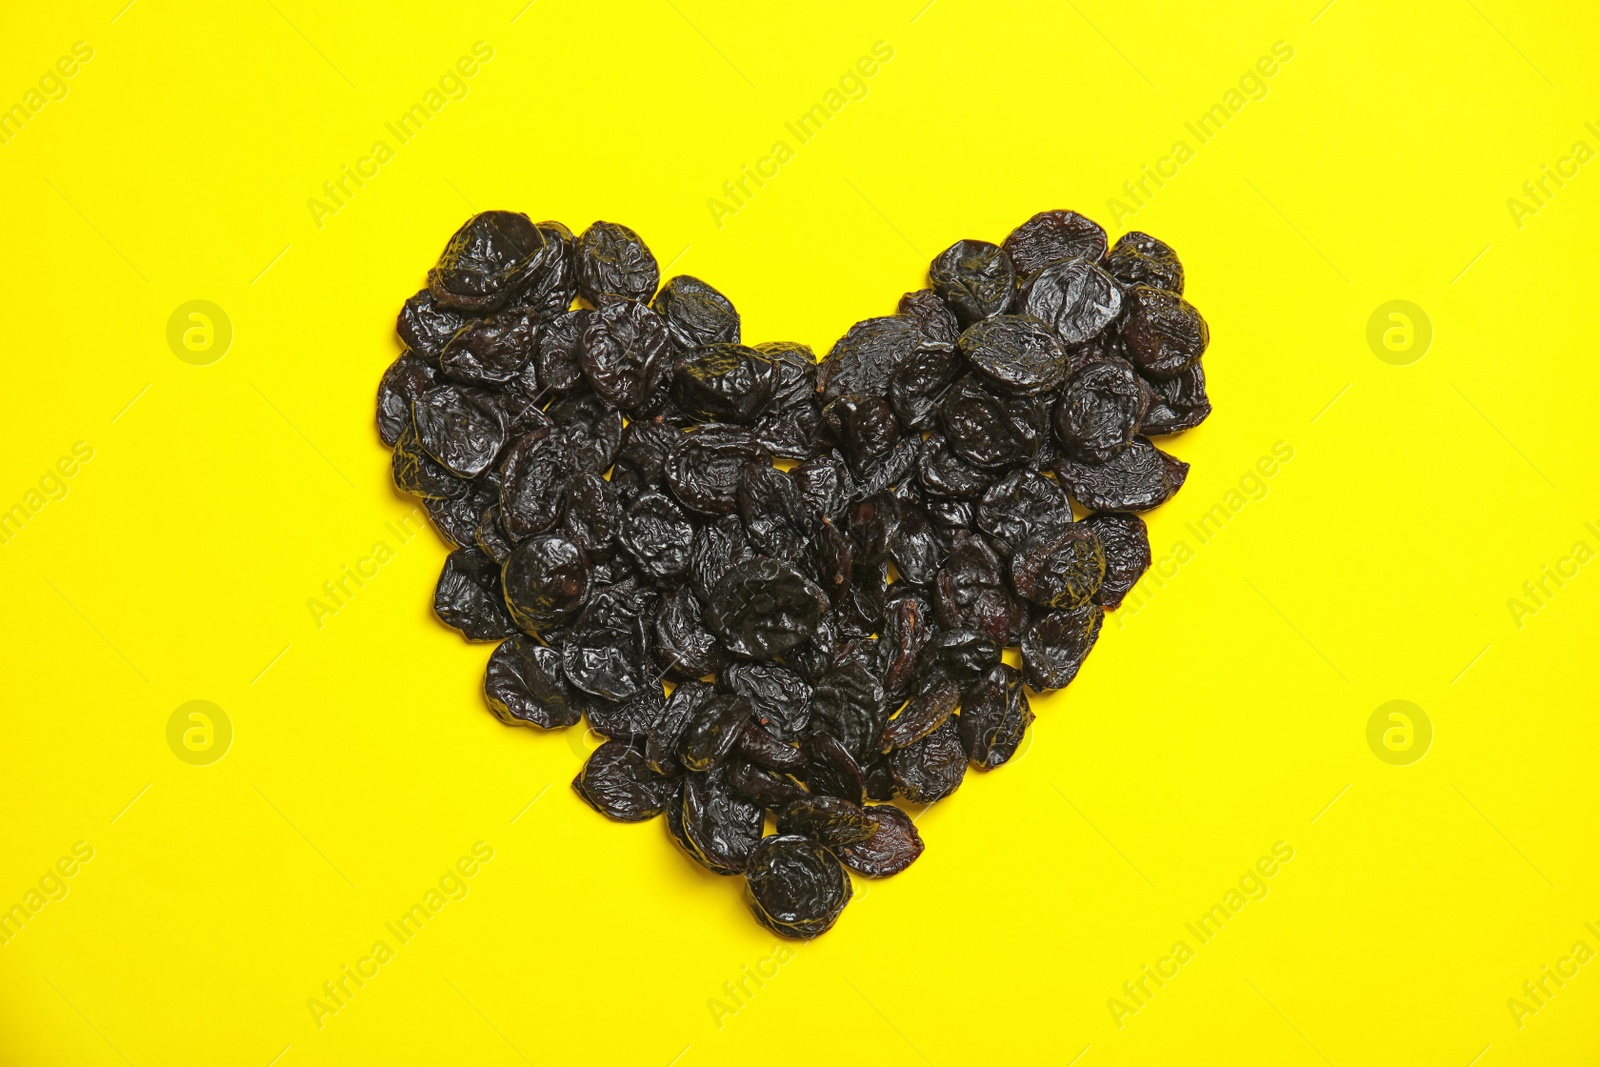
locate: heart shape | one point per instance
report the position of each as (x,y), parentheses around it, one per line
(823,560)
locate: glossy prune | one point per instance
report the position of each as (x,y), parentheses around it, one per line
(1055,646)
(1015,354)
(1139,259)
(1179,403)
(1127,547)
(695,313)
(491,351)
(406,379)
(546,581)
(1074,297)
(1163,331)
(795,887)
(524,686)
(614,261)
(930,769)
(617,783)
(720,828)
(606,652)
(994,716)
(468,598)
(764,607)
(893,846)
(829,821)
(975,279)
(1060,568)
(485,261)
(1052,236)
(1138,478)
(462,428)
(657,536)
(1101,407)
(624,353)
(723,382)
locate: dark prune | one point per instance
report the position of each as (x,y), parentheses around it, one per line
(830,768)
(491,351)
(556,352)
(457,518)
(546,579)
(971,592)
(533,479)
(975,279)
(1180,402)
(918,383)
(666,730)
(829,821)
(1061,568)
(1051,236)
(624,353)
(591,431)
(718,547)
(720,828)
(764,607)
(657,536)
(924,713)
(490,537)
(1015,354)
(849,703)
(890,469)
(761,746)
(524,686)
(468,598)
(934,318)
(485,261)
(863,427)
(907,625)
(683,645)
(425,327)
(826,485)
(723,383)
(992,431)
(775,515)
(406,379)
(769,789)
(642,459)
(944,473)
(1100,410)
(592,515)
(614,261)
(1138,478)
(713,730)
(464,429)
(794,373)
(1139,259)
(914,546)
(1163,331)
(893,846)
(607,650)
(552,282)
(1127,548)
(780,698)
(627,720)
(962,654)
(418,473)
(706,467)
(866,356)
(1055,646)
(994,716)
(1076,298)
(617,783)
(795,887)
(1020,507)
(931,769)
(695,313)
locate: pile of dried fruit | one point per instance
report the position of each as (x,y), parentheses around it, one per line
(825,561)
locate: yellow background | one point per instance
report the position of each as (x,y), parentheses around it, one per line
(1229,712)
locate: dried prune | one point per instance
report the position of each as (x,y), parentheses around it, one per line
(971,593)
(720,828)
(764,607)
(683,645)
(994,716)
(591,431)
(418,473)
(1137,478)
(934,318)
(761,746)
(1055,646)
(1163,331)
(769,789)
(1100,410)
(627,720)
(993,431)
(657,536)
(1051,236)
(468,598)
(464,429)
(829,821)
(607,650)
(624,352)
(524,686)
(614,261)
(556,352)
(1015,354)
(713,730)
(665,732)
(865,357)
(1180,402)
(795,887)
(1127,548)
(780,698)
(491,351)
(930,769)
(1076,298)
(617,783)
(924,713)
(775,515)
(706,467)
(533,479)
(485,261)
(893,846)
(425,327)
(724,382)
(546,579)
(406,379)
(1139,259)
(849,703)
(830,768)
(975,279)
(1061,568)
(1021,506)
(695,313)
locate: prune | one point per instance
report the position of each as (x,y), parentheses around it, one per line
(1100,410)
(849,703)
(406,379)
(418,473)
(825,484)
(590,430)
(866,356)
(695,313)
(924,713)
(463,429)
(930,769)
(975,279)
(918,383)
(485,261)
(893,846)
(934,318)
(908,624)
(962,654)
(769,789)
(556,353)
(764,607)
(592,515)
(761,746)
(657,536)
(607,650)
(723,383)
(665,732)
(992,431)
(1021,506)
(794,373)
(1180,402)
(1015,354)
(863,427)
(1163,332)
(1055,646)
(717,548)
(624,352)
(642,459)
(468,598)
(425,327)
(795,887)
(1138,478)
(546,579)
(1139,259)
(1051,236)
(780,699)
(994,716)
(533,479)
(683,645)
(720,828)
(914,547)
(614,261)
(457,518)
(944,473)
(971,592)
(1076,298)
(827,820)
(524,686)
(1061,568)
(1127,548)
(706,467)
(830,768)
(491,351)
(627,720)
(775,515)
(713,730)
(552,283)
(617,783)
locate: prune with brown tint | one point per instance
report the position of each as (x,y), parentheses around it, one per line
(695,313)
(425,327)
(1163,332)
(863,428)
(828,821)
(723,383)
(975,279)
(764,607)
(665,732)
(931,769)
(1015,354)
(490,537)
(457,518)
(552,283)
(524,686)
(1138,478)
(590,429)
(850,704)
(1100,410)
(417,473)
(893,846)
(826,484)
(642,459)
(706,467)
(971,594)
(607,651)
(920,381)
(907,626)
(1021,506)
(485,261)
(491,351)
(533,479)
(720,828)
(1061,568)
(943,473)
(830,768)
(1139,259)
(769,789)
(914,546)
(624,353)
(614,261)
(626,720)
(863,360)
(796,887)
(776,518)
(713,731)
(962,654)
(890,469)
(683,645)
(556,351)
(934,318)
(1051,236)
(764,748)
(463,428)
(657,535)
(924,713)
(617,783)
(1180,402)
(1055,646)
(1076,298)
(1127,546)
(781,699)
(406,379)
(468,598)
(991,431)
(994,717)
(546,580)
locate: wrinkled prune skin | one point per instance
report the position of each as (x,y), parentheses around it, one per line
(590,430)
(683,645)
(962,654)
(717,549)
(763,747)
(491,351)
(924,713)
(706,467)
(893,846)
(665,732)
(930,769)
(1178,403)
(934,318)
(1055,646)
(827,820)
(826,485)
(720,828)
(695,313)
(1139,259)
(991,431)
(533,479)
(713,730)
(524,686)
(592,515)
(468,598)
(914,546)
(657,536)
(764,607)
(457,518)
(1015,354)
(776,517)
(866,356)
(1138,478)
(624,353)
(723,382)
(406,379)
(780,699)
(463,429)
(642,459)
(607,651)
(626,720)
(994,716)
(795,887)
(942,472)
(1127,548)
(419,474)
(908,624)
(546,580)
(1163,332)
(1021,506)
(614,261)
(425,327)
(1100,410)
(1061,568)
(1052,236)
(485,261)
(1074,297)
(975,279)
(556,351)
(618,784)
(920,381)
(830,768)
(849,703)
(971,592)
